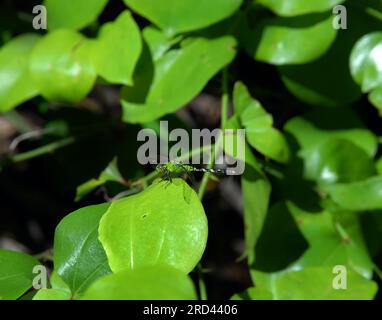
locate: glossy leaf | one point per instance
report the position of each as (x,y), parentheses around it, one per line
(59,290)
(16,85)
(280,41)
(333,240)
(329,162)
(310,284)
(358,196)
(61,66)
(79,258)
(375,98)
(159,283)
(175,16)
(366,61)
(318,127)
(258,124)
(177,77)
(256,193)
(16,273)
(52,294)
(117,50)
(327,81)
(299,7)
(143,230)
(72,14)
(281,236)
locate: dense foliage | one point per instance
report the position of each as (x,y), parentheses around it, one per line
(309,96)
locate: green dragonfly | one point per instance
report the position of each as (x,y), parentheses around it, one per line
(174,169)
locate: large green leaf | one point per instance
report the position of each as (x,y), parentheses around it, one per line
(258,123)
(333,240)
(358,196)
(177,77)
(117,49)
(327,81)
(72,14)
(280,242)
(308,284)
(256,193)
(175,16)
(318,127)
(79,258)
(299,7)
(163,225)
(16,274)
(61,66)
(16,85)
(366,61)
(329,162)
(282,41)
(151,283)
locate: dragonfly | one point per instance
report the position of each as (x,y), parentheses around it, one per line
(173,169)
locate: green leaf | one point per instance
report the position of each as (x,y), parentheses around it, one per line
(299,7)
(259,126)
(282,41)
(151,283)
(144,230)
(280,242)
(328,81)
(52,294)
(16,85)
(310,284)
(176,78)
(117,50)
(61,68)
(334,239)
(59,290)
(375,98)
(256,193)
(73,14)
(175,16)
(366,62)
(79,258)
(16,274)
(329,162)
(358,196)
(317,127)
(111,173)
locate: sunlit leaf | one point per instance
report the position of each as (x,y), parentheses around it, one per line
(175,16)
(151,283)
(117,49)
(175,78)
(72,14)
(143,230)
(61,67)
(16,85)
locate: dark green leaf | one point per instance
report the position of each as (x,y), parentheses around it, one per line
(16,274)
(79,258)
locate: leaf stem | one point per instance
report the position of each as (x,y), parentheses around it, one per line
(41,150)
